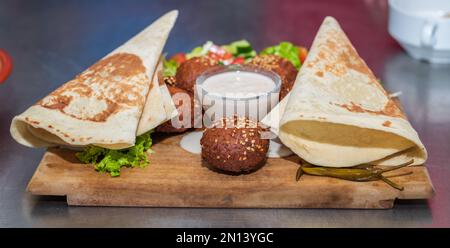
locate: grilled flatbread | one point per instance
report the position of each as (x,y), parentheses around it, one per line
(338,114)
(104,104)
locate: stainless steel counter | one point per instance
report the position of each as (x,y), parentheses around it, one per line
(51,41)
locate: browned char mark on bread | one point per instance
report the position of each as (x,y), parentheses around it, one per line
(118,79)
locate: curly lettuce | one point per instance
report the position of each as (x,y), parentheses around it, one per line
(169,67)
(111,161)
(286,50)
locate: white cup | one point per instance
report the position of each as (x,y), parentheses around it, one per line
(422,27)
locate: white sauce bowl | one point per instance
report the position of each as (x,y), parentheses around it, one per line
(231,96)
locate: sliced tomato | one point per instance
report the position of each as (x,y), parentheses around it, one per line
(302,53)
(227,56)
(220,56)
(5,65)
(238,60)
(179,57)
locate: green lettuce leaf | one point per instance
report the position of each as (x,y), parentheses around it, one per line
(200,50)
(286,50)
(111,161)
(196,52)
(169,67)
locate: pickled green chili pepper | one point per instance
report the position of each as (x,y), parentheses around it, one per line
(361,173)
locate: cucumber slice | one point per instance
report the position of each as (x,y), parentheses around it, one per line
(242,46)
(250,54)
(244,49)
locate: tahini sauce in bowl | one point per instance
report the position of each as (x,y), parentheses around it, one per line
(237,90)
(238,84)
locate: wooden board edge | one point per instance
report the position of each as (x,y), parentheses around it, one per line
(86,199)
(427,193)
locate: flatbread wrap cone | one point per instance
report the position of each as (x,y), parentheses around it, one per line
(108,104)
(338,114)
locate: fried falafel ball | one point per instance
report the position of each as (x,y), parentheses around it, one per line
(281,66)
(235,149)
(167,126)
(191,69)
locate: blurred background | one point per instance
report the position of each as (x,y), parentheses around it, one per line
(50,41)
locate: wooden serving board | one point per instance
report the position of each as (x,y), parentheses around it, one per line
(176,178)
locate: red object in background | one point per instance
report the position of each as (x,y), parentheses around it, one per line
(5,65)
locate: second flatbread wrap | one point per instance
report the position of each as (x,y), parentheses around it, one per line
(338,114)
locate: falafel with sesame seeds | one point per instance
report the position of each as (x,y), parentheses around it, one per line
(281,66)
(191,69)
(169,80)
(234,145)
